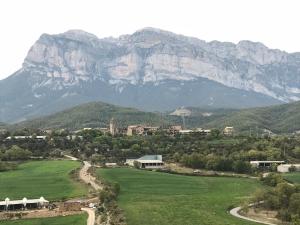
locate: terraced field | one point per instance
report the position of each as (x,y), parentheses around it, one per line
(157,198)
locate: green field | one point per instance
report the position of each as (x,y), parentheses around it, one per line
(50,179)
(66,220)
(157,198)
(292,177)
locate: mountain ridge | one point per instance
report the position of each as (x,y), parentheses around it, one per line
(61,68)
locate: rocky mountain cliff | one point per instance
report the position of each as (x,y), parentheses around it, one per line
(151,70)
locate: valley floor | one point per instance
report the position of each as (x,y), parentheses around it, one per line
(159,198)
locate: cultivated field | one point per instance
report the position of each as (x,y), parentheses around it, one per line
(156,198)
(293,177)
(50,179)
(66,220)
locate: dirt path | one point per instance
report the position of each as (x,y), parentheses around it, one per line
(91,213)
(71,157)
(87,178)
(235,212)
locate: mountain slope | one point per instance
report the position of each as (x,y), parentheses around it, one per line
(283,118)
(151,70)
(99,114)
(95,114)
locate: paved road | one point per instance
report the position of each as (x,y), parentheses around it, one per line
(235,212)
(91,213)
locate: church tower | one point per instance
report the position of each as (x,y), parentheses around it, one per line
(112,127)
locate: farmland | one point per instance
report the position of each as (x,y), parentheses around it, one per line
(67,220)
(50,179)
(160,198)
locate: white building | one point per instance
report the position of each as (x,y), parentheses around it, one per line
(24,203)
(285,168)
(147,162)
(265,164)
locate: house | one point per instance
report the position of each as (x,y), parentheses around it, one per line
(135,130)
(265,164)
(203,131)
(174,129)
(186,131)
(147,162)
(150,130)
(285,168)
(228,131)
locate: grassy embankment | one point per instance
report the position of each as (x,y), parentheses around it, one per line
(292,177)
(158,198)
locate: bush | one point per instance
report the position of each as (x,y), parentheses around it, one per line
(272,179)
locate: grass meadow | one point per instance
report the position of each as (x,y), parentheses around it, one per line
(158,198)
(50,179)
(66,220)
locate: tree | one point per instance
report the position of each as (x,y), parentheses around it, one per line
(294,205)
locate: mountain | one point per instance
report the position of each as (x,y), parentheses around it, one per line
(150,69)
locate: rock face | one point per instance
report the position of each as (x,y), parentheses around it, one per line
(150,69)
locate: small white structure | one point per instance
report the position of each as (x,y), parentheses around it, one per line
(147,162)
(285,168)
(228,131)
(111,164)
(265,164)
(26,137)
(7,204)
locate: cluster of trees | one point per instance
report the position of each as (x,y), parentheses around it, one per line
(108,204)
(215,151)
(214,162)
(15,153)
(283,197)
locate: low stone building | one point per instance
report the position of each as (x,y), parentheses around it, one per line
(285,168)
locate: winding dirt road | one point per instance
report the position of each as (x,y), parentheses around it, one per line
(92,216)
(87,178)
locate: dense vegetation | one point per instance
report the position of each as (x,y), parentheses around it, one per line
(278,119)
(282,197)
(160,198)
(50,179)
(66,220)
(213,152)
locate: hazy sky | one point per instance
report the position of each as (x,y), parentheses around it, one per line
(276,23)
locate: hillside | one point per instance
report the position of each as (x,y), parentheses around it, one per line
(98,114)
(283,118)
(95,114)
